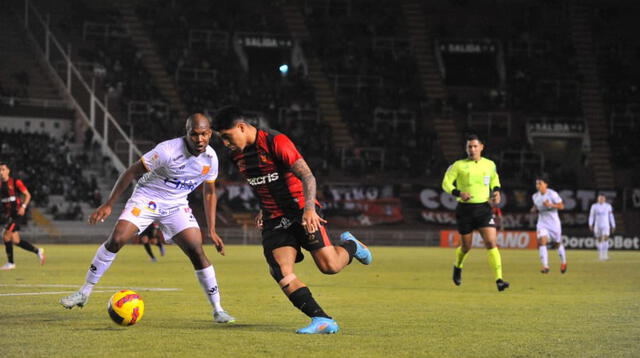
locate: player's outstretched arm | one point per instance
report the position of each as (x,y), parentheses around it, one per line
(310,218)
(134,172)
(210,205)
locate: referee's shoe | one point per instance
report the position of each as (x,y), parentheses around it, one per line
(502,285)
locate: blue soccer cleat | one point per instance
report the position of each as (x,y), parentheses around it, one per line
(363,254)
(320,325)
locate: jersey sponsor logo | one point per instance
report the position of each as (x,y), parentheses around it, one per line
(205,169)
(176,183)
(152,206)
(271,177)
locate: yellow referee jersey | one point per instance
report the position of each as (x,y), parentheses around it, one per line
(477,178)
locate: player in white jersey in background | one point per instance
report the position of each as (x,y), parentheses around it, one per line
(602,224)
(547,202)
(165,176)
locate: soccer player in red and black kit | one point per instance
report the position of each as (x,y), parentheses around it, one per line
(14,209)
(286,188)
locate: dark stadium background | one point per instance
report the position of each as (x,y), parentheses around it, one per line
(378,95)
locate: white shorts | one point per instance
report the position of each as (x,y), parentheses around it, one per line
(172,221)
(554,234)
(601,231)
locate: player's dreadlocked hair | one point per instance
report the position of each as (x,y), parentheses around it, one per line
(226,117)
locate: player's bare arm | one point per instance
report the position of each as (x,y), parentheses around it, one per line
(259,221)
(210,204)
(495,197)
(310,219)
(27,198)
(134,172)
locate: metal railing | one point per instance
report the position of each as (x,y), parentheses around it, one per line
(83,97)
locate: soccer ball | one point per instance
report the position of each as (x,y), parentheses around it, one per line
(125,307)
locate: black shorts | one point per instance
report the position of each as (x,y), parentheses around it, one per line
(473,216)
(285,231)
(13,222)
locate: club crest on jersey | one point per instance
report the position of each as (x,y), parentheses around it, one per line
(135,211)
(263,158)
(205,169)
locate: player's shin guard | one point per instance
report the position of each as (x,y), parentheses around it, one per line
(562,253)
(544,258)
(302,299)
(460,257)
(27,246)
(495,261)
(207,279)
(8,248)
(100,264)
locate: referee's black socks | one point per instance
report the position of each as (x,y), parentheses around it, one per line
(302,299)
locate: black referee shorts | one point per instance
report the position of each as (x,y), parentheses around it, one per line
(473,216)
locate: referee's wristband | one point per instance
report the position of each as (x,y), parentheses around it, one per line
(497,188)
(455,192)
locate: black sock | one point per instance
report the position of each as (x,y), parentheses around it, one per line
(351,248)
(147,248)
(8,247)
(27,246)
(302,299)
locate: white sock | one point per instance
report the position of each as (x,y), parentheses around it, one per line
(544,259)
(207,279)
(605,249)
(100,264)
(562,254)
(599,247)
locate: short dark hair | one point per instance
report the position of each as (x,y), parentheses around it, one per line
(5,164)
(226,117)
(473,137)
(543,177)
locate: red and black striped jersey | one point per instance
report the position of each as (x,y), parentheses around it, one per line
(9,194)
(266,165)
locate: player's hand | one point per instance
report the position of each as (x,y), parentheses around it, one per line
(258,220)
(101,213)
(311,221)
(21,211)
(548,204)
(465,196)
(496,198)
(217,241)
(591,228)
(533,209)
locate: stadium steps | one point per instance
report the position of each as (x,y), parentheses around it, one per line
(591,99)
(324,93)
(449,138)
(150,57)
(18,56)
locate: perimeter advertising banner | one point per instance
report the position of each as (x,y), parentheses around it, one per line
(527,240)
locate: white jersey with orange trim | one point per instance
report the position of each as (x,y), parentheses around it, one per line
(172,174)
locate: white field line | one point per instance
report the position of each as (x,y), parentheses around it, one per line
(62,292)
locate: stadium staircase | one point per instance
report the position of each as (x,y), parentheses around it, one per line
(593,106)
(18,56)
(150,57)
(325,96)
(421,42)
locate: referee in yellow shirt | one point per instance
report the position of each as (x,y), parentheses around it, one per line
(474,181)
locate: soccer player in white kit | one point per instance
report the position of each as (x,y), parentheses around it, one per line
(547,202)
(602,223)
(165,176)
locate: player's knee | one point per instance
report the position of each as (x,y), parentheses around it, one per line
(329,267)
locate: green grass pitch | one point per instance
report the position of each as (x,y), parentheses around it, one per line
(403,305)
